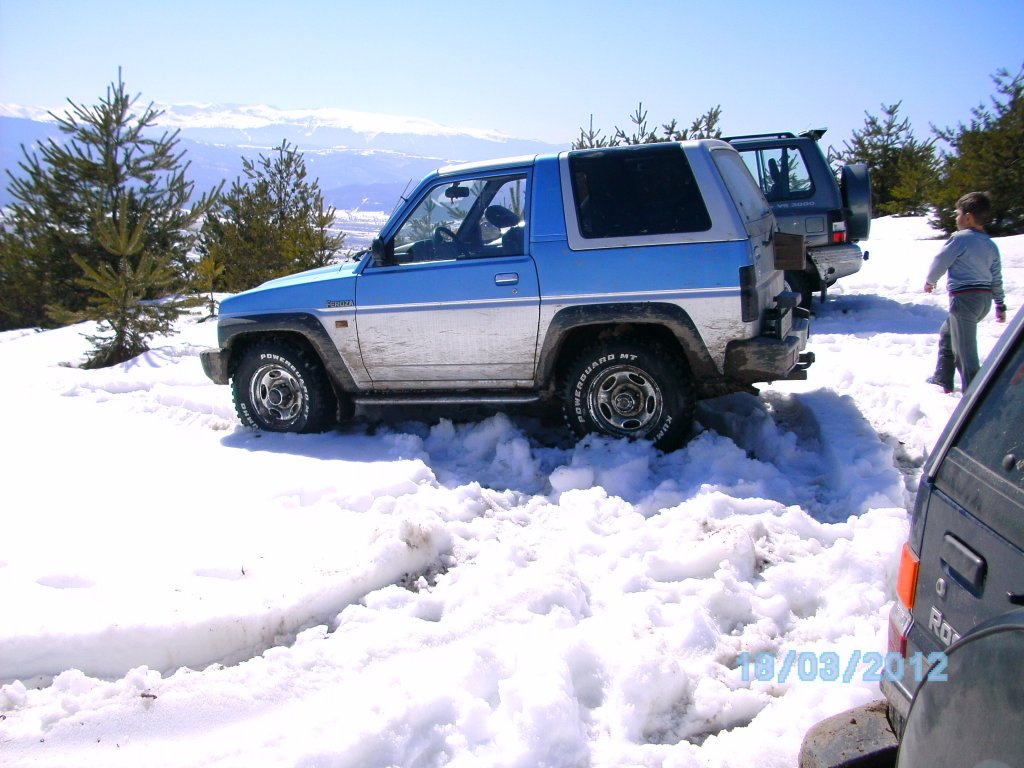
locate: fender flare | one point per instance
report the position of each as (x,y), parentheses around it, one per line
(232,330)
(669,316)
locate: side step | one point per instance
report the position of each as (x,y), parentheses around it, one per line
(427,398)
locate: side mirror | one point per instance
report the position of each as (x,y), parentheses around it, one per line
(380,252)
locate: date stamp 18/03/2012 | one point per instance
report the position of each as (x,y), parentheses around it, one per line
(828,666)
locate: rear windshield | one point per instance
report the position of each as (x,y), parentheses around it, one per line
(647,191)
(781,172)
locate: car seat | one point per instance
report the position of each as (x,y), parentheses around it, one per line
(512,239)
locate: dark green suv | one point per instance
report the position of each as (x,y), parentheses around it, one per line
(831,214)
(953,675)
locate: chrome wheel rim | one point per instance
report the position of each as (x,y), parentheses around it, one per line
(276,395)
(626,401)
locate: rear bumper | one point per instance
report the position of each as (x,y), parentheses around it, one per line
(857,738)
(215,364)
(836,261)
(771,359)
(899,699)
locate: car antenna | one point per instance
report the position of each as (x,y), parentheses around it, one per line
(402,196)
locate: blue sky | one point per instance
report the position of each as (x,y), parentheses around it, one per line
(531,69)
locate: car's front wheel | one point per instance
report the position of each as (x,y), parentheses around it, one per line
(630,388)
(281,388)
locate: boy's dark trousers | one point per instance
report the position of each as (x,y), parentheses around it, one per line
(958,348)
(945,365)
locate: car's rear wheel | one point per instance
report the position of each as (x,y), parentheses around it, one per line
(279,387)
(630,388)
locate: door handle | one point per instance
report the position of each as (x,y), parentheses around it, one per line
(506,278)
(963,561)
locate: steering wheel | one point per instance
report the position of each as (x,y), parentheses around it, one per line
(445,238)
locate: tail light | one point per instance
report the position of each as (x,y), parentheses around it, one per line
(838,231)
(750,307)
(906,581)
(900,617)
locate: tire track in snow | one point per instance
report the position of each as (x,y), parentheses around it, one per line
(836,463)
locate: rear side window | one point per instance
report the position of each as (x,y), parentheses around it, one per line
(744,191)
(983,471)
(994,436)
(648,191)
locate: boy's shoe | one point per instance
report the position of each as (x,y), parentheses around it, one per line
(946,388)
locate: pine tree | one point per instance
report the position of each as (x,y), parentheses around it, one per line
(988,154)
(109,171)
(272,224)
(703,127)
(208,273)
(22,292)
(904,170)
(117,291)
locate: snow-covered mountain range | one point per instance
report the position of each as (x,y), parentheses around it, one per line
(362,160)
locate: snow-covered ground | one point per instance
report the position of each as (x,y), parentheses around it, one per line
(176,590)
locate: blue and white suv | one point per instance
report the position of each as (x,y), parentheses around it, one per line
(625,282)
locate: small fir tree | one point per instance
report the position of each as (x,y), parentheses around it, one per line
(904,170)
(22,290)
(108,174)
(272,224)
(208,272)
(117,291)
(703,127)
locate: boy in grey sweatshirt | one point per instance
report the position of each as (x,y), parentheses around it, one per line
(974,281)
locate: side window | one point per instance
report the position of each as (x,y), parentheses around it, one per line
(465,218)
(744,191)
(993,436)
(781,172)
(649,191)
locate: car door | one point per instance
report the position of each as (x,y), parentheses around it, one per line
(456,301)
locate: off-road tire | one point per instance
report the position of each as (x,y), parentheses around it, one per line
(279,387)
(631,388)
